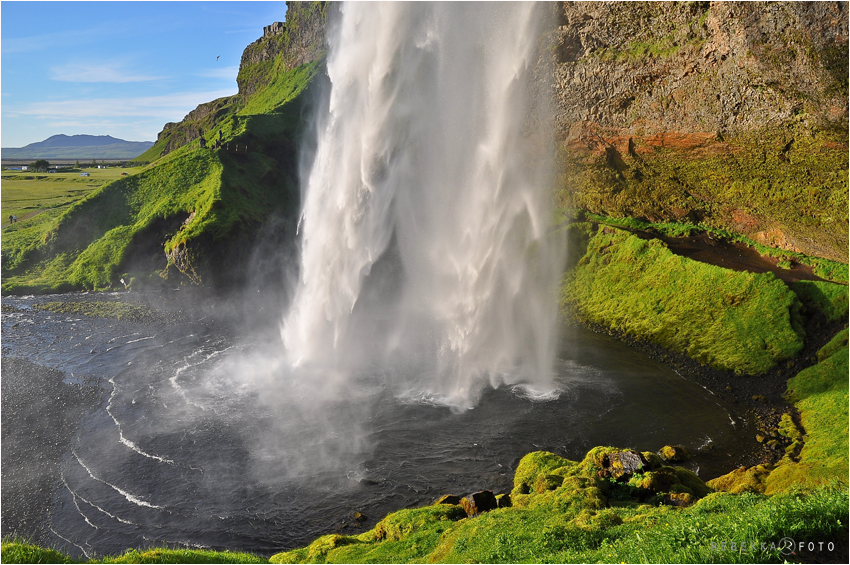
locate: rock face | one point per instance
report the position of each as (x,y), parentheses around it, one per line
(729,114)
(733,114)
(283,46)
(301,39)
(700,67)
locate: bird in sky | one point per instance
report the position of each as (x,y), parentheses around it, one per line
(217,57)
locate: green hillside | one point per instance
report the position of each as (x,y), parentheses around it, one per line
(162,222)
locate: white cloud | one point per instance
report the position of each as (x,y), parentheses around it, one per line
(98,72)
(169,107)
(223,72)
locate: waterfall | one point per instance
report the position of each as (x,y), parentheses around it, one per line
(426,251)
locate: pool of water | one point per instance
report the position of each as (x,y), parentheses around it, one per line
(196,434)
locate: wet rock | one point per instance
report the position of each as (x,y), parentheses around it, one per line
(622,464)
(448,499)
(680,499)
(674,454)
(479,502)
(359,517)
(652,459)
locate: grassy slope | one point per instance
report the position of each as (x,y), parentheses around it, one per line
(225,193)
(732,321)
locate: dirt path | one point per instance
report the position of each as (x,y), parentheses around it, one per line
(731,255)
(22,218)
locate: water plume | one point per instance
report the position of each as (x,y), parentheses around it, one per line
(425,246)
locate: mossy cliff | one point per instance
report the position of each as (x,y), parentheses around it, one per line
(732,114)
(196,213)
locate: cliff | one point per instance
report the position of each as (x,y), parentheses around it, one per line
(731,114)
(196,214)
(282,48)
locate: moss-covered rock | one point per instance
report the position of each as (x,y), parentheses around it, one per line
(531,466)
(742,479)
(673,454)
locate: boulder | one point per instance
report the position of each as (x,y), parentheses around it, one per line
(479,502)
(448,499)
(622,465)
(674,454)
(546,482)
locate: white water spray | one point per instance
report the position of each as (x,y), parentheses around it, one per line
(428,153)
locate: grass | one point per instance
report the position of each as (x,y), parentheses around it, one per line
(820,394)
(19,551)
(824,268)
(182,216)
(564,525)
(729,320)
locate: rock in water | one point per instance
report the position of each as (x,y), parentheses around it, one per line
(674,453)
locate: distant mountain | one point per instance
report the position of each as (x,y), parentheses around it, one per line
(78,147)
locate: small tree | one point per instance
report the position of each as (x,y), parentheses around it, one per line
(76,164)
(40,165)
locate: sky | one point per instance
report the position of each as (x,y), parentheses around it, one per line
(118,68)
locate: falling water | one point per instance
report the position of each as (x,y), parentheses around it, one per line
(425,248)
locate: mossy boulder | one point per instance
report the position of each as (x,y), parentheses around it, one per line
(673,454)
(533,465)
(742,479)
(622,464)
(652,459)
(400,524)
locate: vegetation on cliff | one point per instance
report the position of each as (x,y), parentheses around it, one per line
(191,212)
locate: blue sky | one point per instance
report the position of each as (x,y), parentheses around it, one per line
(118,68)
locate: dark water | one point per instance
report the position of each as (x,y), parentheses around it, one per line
(195,434)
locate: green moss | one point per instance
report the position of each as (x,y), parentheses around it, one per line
(182,556)
(838,342)
(827,298)
(533,465)
(742,479)
(820,394)
(674,453)
(794,180)
(15,551)
(728,320)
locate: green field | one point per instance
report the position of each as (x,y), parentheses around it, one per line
(28,194)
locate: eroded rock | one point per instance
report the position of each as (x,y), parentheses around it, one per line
(479,502)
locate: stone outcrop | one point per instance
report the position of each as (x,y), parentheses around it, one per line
(479,502)
(733,114)
(300,40)
(283,46)
(647,68)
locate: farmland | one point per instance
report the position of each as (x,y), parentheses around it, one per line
(45,195)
